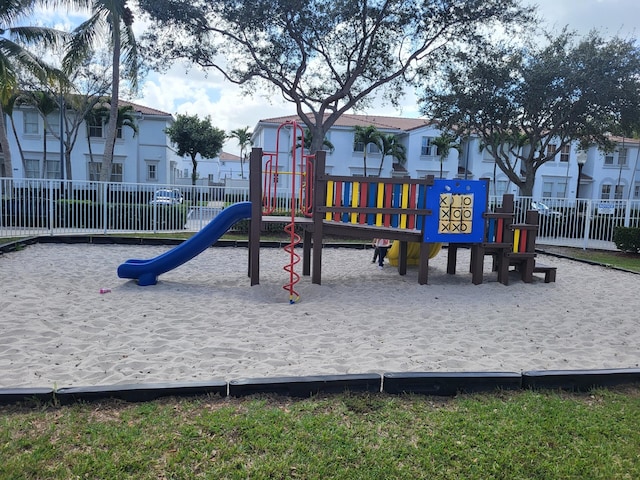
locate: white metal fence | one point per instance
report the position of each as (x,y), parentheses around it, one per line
(31,207)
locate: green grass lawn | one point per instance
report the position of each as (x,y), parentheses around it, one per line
(508,435)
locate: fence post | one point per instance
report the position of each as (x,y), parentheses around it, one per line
(587,225)
(52,203)
(105,209)
(627,213)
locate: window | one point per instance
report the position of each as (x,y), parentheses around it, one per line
(551,150)
(53,169)
(564,153)
(96,167)
(608,159)
(95,130)
(428,148)
(501,187)
(622,156)
(32,169)
(53,124)
(605,192)
(152,173)
(371,147)
(636,191)
(619,192)
(31,123)
(562,190)
(547,189)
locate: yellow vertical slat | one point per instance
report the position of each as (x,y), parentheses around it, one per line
(379,203)
(329,202)
(516,240)
(404,204)
(355,196)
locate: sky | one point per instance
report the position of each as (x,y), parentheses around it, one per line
(193,92)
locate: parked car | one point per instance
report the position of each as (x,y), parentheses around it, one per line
(544,209)
(167,196)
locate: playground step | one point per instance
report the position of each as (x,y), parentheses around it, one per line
(549,272)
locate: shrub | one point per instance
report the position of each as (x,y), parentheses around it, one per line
(627,239)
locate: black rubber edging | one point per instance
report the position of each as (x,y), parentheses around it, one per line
(10,396)
(579,380)
(139,392)
(426,383)
(449,383)
(306,386)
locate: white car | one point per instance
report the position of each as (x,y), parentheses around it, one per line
(544,209)
(167,196)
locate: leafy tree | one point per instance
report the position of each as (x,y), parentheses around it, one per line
(243,135)
(445,142)
(527,104)
(324,56)
(46,104)
(193,136)
(391,146)
(116,19)
(367,135)
(14,55)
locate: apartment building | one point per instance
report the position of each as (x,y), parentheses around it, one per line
(596,175)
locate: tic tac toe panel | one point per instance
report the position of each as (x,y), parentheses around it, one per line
(458,207)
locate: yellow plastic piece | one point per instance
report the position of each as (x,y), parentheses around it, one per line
(413,252)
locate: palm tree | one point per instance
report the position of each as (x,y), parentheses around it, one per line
(116,18)
(308,140)
(100,114)
(445,142)
(365,136)
(7,105)
(13,54)
(243,135)
(391,146)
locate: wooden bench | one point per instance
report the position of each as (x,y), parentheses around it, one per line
(549,272)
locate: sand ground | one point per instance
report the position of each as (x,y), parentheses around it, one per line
(204,321)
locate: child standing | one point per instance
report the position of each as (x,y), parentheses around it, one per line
(381,246)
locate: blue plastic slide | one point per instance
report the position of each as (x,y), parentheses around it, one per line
(147,271)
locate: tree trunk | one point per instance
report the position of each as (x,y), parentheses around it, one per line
(194,172)
(112,126)
(15,134)
(4,143)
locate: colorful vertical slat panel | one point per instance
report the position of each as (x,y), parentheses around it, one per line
(388,203)
(338,201)
(373,194)
(412,204)
(379,203)
(397,197)
(523,241)
(363,201)
(491,230)
(329,201)
(346,200)
(404,204)
(499,230)
(355,196)
(422,203)
(516,240)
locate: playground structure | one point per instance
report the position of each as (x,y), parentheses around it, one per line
(419,215)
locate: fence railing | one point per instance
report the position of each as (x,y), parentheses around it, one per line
(33,207)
